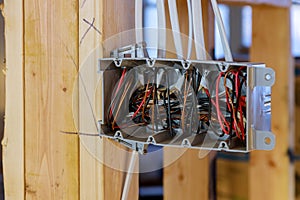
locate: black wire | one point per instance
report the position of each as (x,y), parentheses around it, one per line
(169,108)
(232,98)
(155,99)
(238,100)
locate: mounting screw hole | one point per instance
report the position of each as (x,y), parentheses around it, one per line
(118,62)
(268,77)
(267,140)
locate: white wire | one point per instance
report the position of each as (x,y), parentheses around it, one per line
(190,40)
(161,24)
(139,21)
(222,32)
(198,30)
(175,27)
(129,176)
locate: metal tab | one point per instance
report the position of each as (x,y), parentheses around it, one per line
(264,140)
(261,76)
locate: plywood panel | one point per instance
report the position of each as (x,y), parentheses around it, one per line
(51,62)
(13,141)
(271,176)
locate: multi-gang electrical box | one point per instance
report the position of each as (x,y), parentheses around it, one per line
(194,104)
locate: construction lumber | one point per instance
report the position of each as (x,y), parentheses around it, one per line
(187,171)
(278,3)
(102,162)
(13,141)
(270,172)
(50,68)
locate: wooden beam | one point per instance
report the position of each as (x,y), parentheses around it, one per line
(13,141)
(279,3)
(297,116)
(118,31)
(2,78)
(102,162)
(91,149)
(230,174)
(186,175)
(271,176)
(51,64)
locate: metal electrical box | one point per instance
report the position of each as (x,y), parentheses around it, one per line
(193,104)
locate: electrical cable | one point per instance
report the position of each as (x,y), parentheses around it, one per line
(147,101)
(161,25)
(175,28)
(198,30)
(222,32)
(129,175)
(190,40)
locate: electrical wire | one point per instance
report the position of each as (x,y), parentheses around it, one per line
(117,90)
(198,30)
(190,40)
(128,178)
(158,107)
(161,24)
(222,32)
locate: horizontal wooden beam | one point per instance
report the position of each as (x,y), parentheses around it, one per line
(280,3)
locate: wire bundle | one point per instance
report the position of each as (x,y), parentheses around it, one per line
(232,120)
(193,107)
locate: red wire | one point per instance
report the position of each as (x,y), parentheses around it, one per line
(240,123)
(222,116)
(117,90)
(141,104)
(219,114)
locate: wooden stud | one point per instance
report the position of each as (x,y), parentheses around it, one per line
(2,77)
(118,31)
(230,174)
(91,147)
(51,64)
(271,175)
(186,175)
(297,116)
(102,161)
(13,141)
